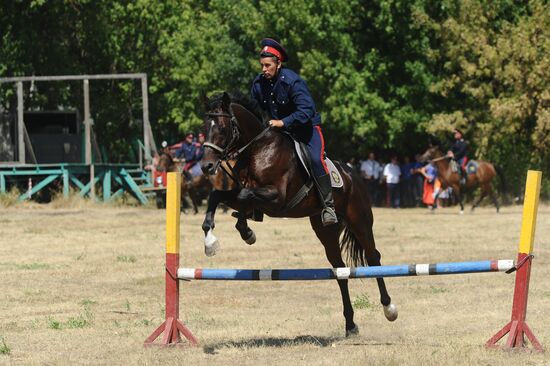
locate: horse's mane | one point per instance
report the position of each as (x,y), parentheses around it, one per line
(244,100)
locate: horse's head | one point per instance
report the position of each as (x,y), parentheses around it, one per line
(433,152)
(222,132)
(165,162)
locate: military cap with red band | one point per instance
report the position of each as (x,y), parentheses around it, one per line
(273,47)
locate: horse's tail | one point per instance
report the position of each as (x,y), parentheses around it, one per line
(503,186)
(355,253)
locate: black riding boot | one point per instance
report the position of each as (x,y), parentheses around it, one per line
(328,215)
(462,175)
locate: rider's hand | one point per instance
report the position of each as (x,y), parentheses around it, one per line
(277,123)
(450,153)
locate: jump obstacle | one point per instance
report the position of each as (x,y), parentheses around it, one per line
(516,328)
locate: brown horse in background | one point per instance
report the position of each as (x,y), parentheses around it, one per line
(196,187)
(450,177)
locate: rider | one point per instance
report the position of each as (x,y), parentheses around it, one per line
(199,148)
(199,153)
(458,152)
(285,96)
(186,152)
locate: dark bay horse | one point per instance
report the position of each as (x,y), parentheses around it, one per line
(449,177)
(268,176)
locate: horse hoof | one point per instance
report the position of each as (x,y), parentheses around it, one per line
(251,239)
(211,244)
(353,331)
(390,312)
(462,212)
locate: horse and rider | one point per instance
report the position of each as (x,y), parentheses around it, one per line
(186,160)
(455,170)
(257,141)
(190,153)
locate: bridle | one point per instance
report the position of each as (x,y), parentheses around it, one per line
(233,135)
(230,151)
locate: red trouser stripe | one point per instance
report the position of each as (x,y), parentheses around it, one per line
(322,148)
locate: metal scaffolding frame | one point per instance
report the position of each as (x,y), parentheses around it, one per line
(148,140)
(149,145)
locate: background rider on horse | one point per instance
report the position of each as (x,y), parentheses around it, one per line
(190,153)
(458,152)
(285,97)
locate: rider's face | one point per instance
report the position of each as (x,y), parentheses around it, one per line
(269,67)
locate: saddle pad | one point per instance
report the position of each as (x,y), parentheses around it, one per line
(335,177)
(471,167)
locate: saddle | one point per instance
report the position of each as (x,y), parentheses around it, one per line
(303,155)
(305,160)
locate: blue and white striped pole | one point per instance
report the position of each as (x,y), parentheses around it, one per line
(345,272)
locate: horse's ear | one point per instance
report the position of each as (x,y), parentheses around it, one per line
(226,101)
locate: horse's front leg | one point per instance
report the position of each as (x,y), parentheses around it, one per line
(211,243)
(247,234)
(248,198)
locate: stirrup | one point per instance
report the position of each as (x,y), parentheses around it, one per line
(328,216)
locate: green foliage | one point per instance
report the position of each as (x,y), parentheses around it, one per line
(495,77)
(126,258)
(53,323)
(384,73)
(362,302)
(4,348)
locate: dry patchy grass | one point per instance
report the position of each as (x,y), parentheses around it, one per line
(83,284)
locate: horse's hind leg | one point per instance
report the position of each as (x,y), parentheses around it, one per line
(329,237)
(359,220)
(494,199)
(194,195)
(481,197)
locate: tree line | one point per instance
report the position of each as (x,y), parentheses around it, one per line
(386,75)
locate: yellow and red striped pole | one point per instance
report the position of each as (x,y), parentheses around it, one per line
(517,327)
(172,326)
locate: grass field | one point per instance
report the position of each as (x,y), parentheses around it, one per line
(84,284)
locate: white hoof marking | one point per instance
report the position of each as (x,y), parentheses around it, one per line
(211,244)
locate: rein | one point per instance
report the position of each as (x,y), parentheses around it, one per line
(440,158)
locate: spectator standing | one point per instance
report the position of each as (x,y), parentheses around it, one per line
(417,180)
(430,174)
(370,171)
(406,182)
(392,174)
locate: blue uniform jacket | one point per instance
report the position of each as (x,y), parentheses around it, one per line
(286,98)
(459,149)
(186,151)
(199,151)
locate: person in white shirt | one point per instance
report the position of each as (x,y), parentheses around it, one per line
(370,171)
(392,172)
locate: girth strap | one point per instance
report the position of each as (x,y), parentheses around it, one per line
(298,197)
